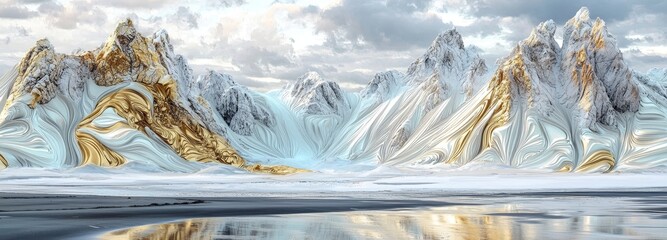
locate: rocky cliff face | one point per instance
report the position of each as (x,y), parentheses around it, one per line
(529,75)
(598,73)
(234,103)
(42,73)
(175,64)
(588,73)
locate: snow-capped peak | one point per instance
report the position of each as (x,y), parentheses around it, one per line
(314,95)
(544,32)
(235,103)
(530,71)
(446,68)
(215,83)
(175,64)
(587,73)
(305,83)
(446,52)
(598,73)
(383,85)
(583,15)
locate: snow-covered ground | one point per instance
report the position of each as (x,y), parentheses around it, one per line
(383,182)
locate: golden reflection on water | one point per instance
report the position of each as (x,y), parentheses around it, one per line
(461,222)
(190,229)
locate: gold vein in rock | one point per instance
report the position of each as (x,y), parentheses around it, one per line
(94,152)
(512,74)
(597,160)
(598,34)
(188,139)
(128,56)
(35,99)
(565,167)
(174,126)
(3,162)
(497,100)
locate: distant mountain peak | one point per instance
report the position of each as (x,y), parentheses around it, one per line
(445,51)
(448,38)
(315,95)
(583,15)
(543,30)
(382,85)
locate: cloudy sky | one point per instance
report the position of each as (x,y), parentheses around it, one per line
(266,44)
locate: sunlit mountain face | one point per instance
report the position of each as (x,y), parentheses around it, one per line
(562,106)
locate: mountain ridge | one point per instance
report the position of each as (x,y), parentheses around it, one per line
(547,106)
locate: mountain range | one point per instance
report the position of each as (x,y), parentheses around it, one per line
(569,106)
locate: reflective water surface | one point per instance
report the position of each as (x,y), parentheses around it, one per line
(538,218)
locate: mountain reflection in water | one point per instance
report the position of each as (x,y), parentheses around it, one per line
(504,221)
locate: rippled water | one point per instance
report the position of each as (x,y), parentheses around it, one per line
(526,218)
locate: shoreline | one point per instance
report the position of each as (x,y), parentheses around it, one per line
(58,216)
(81,216)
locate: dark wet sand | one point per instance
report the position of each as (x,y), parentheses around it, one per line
(28,216)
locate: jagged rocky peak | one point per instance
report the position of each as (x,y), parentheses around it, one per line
(43,73)
(382,85)
(446,67)
(176,65)
(124,34)
(588,73)
(127,56)
(235,103)
(212,84)
(595,65)
(447,53)
(36,73)
(316,96)
(305,83)
(576,28)
(531,70)
(440,54)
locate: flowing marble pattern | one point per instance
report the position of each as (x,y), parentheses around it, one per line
(574,107)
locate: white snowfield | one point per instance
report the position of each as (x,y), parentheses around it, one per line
(574,107)
(382,182)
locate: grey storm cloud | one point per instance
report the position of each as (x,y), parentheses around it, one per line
(17,12)
(382,25)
